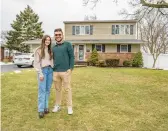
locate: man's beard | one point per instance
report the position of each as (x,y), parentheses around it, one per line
(59,40)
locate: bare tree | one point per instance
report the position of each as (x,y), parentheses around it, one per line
(164,40)
(3,37)
(158,4)
(90,17)
(140,10)
(154,33)
(142,7)
(147,3)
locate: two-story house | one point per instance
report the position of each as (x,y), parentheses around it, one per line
(116,39)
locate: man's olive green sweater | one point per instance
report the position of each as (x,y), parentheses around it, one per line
(63,56)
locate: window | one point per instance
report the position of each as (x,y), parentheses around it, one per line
(127,29)
(77,30)
(123,29)
(87,30)
(124,48)
(82,30)
(99,47)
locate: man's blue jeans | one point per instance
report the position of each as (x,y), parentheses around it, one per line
(44,88)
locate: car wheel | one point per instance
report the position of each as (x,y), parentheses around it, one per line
(32,64)
(19,66)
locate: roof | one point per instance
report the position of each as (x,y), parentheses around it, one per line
(36,41)
(108,41)
(101,21)
(95,41)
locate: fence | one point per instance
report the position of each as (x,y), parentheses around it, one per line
(161,63)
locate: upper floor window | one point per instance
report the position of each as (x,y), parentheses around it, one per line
(82,30)
(127,29)
(123,29)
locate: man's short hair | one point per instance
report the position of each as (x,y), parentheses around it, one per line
(58,30)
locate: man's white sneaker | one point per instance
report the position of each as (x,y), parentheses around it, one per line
(70,111)
(56,108)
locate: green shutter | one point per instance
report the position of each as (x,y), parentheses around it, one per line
(129,48)
(103,47)
(118,48)
(131,29)
(93,46)
(91,29)
(73,30)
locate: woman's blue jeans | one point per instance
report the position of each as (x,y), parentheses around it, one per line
(44,88)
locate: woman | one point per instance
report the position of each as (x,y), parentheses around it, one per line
(43,64)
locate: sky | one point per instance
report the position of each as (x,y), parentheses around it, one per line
(53,12)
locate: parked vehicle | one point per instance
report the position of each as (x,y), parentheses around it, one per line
(25,59)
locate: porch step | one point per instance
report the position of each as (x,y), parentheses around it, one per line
(81,63)
(77,66)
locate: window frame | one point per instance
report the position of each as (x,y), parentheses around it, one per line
(123,51)
(124,27)
(98,45)
(128,29)
(80,29)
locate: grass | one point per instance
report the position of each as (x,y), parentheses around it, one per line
(104,99)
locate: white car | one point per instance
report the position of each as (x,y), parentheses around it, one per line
(25,59)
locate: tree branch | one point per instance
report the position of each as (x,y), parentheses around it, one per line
(161,4)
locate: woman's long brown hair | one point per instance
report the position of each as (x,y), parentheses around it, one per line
(42,47)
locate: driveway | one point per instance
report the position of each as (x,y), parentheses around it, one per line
(11,67)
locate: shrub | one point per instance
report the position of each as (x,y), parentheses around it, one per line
(101,63)
(93,58)
(112,62)
(127,63)
(137,60)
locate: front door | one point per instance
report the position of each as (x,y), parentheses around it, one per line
(81,53)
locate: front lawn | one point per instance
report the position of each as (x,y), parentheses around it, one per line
(104,99)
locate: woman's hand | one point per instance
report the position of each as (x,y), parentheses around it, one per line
(41,78)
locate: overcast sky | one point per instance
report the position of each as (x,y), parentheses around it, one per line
(53,12)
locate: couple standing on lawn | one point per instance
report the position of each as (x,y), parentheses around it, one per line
(54,64)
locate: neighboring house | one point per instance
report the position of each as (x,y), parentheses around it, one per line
(33,44)
(2,52)
(2,49)
(114,39)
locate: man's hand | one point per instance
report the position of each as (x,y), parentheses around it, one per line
(41,78)
(69,71)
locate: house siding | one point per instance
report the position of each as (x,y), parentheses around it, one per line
(89,47)
(110,48)
(135,48)
(100,31)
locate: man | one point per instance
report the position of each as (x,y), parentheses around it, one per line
(63,56)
